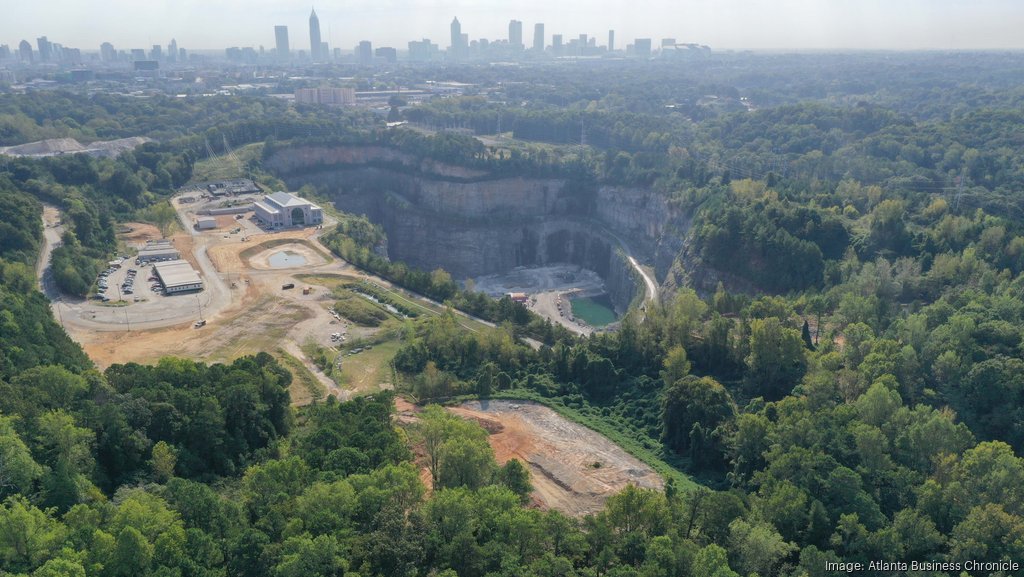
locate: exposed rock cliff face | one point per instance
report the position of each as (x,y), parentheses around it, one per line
(457,219)
(652,226)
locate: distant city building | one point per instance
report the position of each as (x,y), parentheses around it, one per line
(138,54)
(666,42)
(556,44)
(157,53)
(611,41)
(642,47)
(82,75)
(282,209)
(107,52)
(515,34)
(25,51)
(344,96)
(538,37)
(387,54)
(45,49)
(458,45)
(315,44)
(364,52)
(281,42)
(5,52)
(422,50)
(172,51)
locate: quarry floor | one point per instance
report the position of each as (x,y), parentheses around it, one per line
(572,468)
(549,289)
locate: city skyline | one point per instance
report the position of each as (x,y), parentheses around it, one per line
(726,24)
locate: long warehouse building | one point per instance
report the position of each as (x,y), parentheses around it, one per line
(178,276)
(157,250)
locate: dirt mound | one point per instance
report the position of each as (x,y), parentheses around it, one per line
(55,146)
(573,469)
(44,147)
(137,233)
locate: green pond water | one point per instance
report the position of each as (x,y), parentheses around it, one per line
(595,311)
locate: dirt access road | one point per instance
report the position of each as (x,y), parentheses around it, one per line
(573,469)
(245,309)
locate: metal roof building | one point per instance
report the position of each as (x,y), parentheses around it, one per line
(178,276)
(157,250)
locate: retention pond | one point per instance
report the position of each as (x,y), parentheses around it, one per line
(596,311)
(286,259)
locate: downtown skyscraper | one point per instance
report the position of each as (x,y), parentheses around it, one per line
(315,45)
(281,42)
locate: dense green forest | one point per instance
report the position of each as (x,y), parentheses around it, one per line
(852,391)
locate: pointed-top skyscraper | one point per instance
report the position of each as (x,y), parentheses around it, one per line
(456,45)
(314,37)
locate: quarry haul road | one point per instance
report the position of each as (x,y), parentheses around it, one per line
(650,284)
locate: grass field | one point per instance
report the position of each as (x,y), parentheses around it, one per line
(365,372)
(305,387)
(329,281)
(224,167)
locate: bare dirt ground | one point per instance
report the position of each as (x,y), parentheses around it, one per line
(245,308)
(572,468)
(556,307)
(261,261)
(139,234)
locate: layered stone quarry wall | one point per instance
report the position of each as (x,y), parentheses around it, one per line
(442,216)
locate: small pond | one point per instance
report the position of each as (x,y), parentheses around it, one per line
(596,311)
(286,259)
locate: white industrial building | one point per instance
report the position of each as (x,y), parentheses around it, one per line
(178,276)
(206,223)
(282,210)
(157,250)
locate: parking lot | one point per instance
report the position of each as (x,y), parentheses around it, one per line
(120,282)
(129,282)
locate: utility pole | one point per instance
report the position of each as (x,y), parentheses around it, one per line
(960,189)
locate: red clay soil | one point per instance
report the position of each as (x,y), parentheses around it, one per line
(572,468)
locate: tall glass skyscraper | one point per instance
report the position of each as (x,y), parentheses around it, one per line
(314,38)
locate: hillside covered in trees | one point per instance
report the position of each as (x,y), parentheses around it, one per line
(853,389)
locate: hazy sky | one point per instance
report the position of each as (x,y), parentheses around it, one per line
(722,24)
